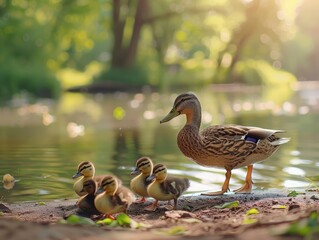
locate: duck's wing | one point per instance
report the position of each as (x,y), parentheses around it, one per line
(228,141)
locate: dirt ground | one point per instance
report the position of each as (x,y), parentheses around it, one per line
(196,217)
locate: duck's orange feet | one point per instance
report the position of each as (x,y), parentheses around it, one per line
(108,216)
(245,189)
(248,184)
(225,187)
(141,200)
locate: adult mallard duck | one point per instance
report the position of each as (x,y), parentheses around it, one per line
(86,202)
(86,171)
(164,187)
(115,198)
(143,169)
(225,146)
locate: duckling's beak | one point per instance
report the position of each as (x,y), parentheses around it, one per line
(78,174)
(135,172)
(150,178)
(172,114)
(99,190)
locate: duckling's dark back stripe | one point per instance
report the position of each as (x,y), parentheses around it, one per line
(107,181)
(158,168)
(142,162)
(84,165)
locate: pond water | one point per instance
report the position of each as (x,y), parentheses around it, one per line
(42,143)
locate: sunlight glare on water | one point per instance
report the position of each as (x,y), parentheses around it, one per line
(41,144)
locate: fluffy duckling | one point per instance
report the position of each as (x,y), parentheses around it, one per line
(86,202)
(143,169)
(115,198)
(86,171)
(164,187)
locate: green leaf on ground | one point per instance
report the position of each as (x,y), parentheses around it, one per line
(40,203)
(1,213)
(177,230)
(228,205)
(123,220)
(75,219)
(293,193)
(252,211)
(105,221)
(249,220)
(279,207)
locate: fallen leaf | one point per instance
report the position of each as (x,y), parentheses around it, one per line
(75,219)
(252,211)
(123,220)
(40,203)
(248,221)
(105,221)
(293,194)
(177,230)
(279,207)
(228,205)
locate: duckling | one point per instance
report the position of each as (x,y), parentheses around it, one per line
(86,202)
(143,170)
(86,171)
(115,198)
(164,187)
(225,146)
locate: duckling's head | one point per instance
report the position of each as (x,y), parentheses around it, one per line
(159,173)
(109,184)
(144,165)
(185,103)
(85,169)
(89,186)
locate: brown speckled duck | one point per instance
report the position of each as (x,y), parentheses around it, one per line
(224,146)
(143,169)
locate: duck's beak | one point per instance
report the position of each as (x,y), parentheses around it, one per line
(78,174)
(172,114)
(135,172)
(150,178)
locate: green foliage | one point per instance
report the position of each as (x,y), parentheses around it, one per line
(179,43)
(304,228)
(293,193)
(16,77)
(228,205)
(259,72)
(75,219)
(133,76)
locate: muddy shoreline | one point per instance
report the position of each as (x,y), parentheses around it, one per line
(276,211)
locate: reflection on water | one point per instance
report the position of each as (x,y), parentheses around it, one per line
(42,144)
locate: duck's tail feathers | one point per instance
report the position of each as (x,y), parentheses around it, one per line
(280,141)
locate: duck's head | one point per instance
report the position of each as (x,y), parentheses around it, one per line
(89,186)
(143,165)
(185,103)
(109,184)
(159,173)
(85,169)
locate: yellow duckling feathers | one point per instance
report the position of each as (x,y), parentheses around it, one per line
(143,169)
